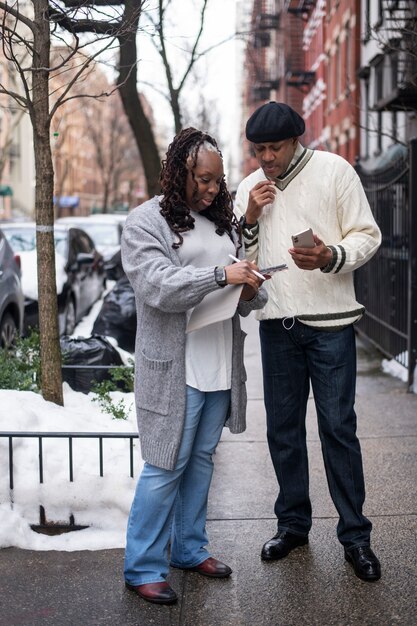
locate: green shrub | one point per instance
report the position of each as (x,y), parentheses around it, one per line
(20,365)
(121,378)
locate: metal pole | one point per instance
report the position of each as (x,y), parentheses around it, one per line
(412,266)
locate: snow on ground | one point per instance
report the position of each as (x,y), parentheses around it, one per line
(101,503)
(393,367)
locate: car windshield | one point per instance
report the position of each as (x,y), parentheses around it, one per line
(21,239)
(24,239)
(102,234)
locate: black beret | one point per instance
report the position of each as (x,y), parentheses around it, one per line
(274,121)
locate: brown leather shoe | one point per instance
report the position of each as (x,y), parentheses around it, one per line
(158,593)
(212,568)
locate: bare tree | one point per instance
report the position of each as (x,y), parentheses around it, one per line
(155,16)
(92,16)
(26,43)
(115,149)
(190,53)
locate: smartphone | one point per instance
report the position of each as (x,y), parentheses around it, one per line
(304,239)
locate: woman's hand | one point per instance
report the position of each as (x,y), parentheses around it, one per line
(242,274)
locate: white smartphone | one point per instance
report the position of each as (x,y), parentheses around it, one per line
(304,239)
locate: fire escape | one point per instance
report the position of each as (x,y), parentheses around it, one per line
(264,83)
(395,69)
(296,76)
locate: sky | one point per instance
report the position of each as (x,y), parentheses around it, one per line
(101,503)
(218,72)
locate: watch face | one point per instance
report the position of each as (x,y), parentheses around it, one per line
(220,275)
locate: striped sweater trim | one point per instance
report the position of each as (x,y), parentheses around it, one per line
(342,260)
(331,316)
(283,181)
(328,268)
(249,235)
(249,244)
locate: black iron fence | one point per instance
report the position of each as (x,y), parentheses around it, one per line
(70,436)
(387,284)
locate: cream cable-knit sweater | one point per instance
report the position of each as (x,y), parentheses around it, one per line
(327,196)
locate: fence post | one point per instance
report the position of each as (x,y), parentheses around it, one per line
(412,266)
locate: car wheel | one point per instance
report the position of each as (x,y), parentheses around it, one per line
(69,317)
(8,331)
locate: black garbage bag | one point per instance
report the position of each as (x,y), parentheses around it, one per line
(117,317)
(83,361)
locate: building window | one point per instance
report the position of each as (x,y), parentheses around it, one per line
(379,133)
(379,79)
(367,29)
(380,14)
(329,81)
(394,125)
(367,119)
(338,68)
(348,52)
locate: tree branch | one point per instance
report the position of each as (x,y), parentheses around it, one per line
(8,10)
(84,25)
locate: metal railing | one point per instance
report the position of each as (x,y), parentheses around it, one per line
(83,377)
(386,285)
(71,436)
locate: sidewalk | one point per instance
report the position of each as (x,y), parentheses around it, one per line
(312,586)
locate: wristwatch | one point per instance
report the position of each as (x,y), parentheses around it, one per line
(220,276)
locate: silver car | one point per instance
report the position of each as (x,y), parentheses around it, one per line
(11,296)
(105,229)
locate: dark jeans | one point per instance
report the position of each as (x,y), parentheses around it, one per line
(290,359)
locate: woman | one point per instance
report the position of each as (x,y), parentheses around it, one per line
(188,385)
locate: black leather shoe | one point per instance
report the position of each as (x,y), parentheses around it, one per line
(364,562)
(210,567)
(158,593)
(281,544)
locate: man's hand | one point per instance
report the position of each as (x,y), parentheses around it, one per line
(311,258)
(259,196)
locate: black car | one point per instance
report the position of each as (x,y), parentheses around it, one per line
(80,273)
(11,295)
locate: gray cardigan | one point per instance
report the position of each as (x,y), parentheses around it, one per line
(164,291)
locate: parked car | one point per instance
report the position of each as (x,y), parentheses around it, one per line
(105,229)
(80,274)
(11,295)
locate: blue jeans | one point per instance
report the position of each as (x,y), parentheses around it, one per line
(291,359)
(172,505)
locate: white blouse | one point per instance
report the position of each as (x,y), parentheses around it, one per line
(208,352)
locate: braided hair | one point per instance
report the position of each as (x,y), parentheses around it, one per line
(186,146)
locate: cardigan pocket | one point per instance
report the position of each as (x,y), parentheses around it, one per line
(154,390)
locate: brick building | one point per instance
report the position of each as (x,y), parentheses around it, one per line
(307,53)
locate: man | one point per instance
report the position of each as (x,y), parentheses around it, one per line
(306,328)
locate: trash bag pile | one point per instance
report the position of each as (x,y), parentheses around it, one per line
(85,361)
(117,317)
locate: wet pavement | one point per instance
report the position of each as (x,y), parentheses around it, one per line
(314,585)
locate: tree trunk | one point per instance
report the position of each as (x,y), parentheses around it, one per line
(51,377)
(132,105)
(176,109)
